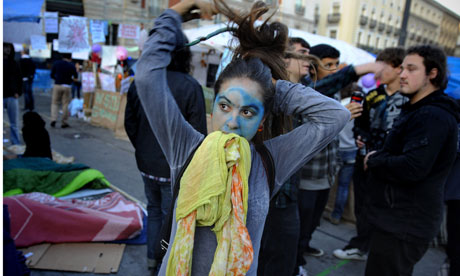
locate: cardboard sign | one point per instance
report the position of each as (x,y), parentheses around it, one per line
(46,53)
(105,109)
(73,35)
(38,42)
(79,257)
(51,22)
(120,131)
(97,31)
(129,31)
(88,82)
(107,82)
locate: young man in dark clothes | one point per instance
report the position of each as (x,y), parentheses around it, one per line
(408,175)
(380,107)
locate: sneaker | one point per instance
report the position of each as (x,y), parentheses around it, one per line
(350,254)
(333,220)
(302,271)
(314,252)
(64,125)
(53,124)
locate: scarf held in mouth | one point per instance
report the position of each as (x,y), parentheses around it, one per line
(214,192)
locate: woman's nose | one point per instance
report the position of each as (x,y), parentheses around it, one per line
(232,123)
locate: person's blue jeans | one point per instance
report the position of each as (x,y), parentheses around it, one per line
(345,174)
(158,202)
(12,108)
(28,95)
(76,87)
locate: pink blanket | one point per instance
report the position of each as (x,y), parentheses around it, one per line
(38,218)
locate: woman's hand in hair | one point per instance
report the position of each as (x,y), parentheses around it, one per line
(194,9)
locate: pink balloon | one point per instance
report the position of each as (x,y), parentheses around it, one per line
(121,53)
(96,48)
(368,80)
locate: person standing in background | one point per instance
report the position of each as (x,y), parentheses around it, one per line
(28,72)
(11,90)
(63,73)
(76,85)
(142,38)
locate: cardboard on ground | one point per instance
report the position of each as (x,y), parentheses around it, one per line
(79,257)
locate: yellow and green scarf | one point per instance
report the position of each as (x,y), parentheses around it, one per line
(214,192)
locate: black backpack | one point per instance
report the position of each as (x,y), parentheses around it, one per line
(165,232)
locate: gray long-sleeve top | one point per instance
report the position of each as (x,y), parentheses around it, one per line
(177,138)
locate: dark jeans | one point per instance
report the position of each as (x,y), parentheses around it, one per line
(390,256)
(345,174)
(158,202)
(453,236)
(76,87)
(363,227)
(311,206)
(278,248)
(28,95)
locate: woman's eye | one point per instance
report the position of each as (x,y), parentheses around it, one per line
(247,113)
(224,107)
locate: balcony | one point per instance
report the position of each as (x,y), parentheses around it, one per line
(299,9)
(381,26)
(363,20)
(389,29)
(333,18)
(373,23)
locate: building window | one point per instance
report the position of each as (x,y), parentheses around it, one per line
(359,37)
(368,40)
(335,8)
(333,33)
(377,41)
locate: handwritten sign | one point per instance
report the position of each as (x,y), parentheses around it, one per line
(88,82)
(109,57)
(38,42)
(105,109)
(97,31)
(107,82)
(46,53)
(73,35)
(129,31)
(51,22)
(84,55)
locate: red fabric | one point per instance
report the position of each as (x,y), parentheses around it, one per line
(38,218)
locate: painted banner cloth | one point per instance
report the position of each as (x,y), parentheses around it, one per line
(39,218)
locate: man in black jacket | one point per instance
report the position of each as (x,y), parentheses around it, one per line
(28,73)
(409,173)
(150,159)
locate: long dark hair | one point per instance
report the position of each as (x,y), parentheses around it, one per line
(259,57)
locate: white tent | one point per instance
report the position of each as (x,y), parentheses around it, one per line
(348,53)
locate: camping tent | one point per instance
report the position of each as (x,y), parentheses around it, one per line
(348,54)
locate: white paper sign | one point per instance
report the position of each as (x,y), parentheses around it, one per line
(46,53)
(51,22)
(125,83)
(56,45)
(109,56)
(73,35)
(88,82)
(107,82)
(38,42)
(97,31)
(84,55)
(129,31)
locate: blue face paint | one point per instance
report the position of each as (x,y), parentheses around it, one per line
(237,110)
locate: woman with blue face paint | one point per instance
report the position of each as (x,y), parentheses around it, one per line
(224,194)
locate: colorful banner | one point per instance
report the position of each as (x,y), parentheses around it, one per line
(128,31)
(51,22)
(73,35)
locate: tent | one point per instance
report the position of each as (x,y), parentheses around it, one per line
(22,11)
(453,86)
(348,53)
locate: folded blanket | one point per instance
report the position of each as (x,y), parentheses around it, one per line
(34,174)
(38,218)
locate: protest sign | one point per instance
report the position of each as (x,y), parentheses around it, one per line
(46,53)
(38,42)
(84,55)
(105,109)
(128,31)
(109,57)
(56,45)
(51,22)
(125,85)
(88,82)
(107,82)
(73,35)
(97,31)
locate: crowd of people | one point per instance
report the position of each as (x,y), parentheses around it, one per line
(286,126)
